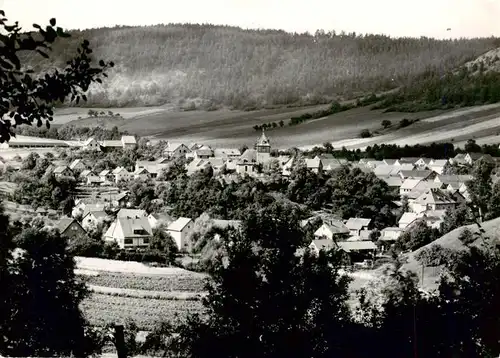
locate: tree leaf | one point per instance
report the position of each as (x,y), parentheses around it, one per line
(53,22)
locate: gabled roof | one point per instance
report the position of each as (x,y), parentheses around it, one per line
(104,172)
(60,169)
(390,161)
(179,224)
(88,141)
(323,244)
(121,196)
(409,184)
(408,160)
(124,227)
(97,214)
(140,171)
(248,157)
(453,178)
(131,213)
(162,160)
(75,162)
(438,163)
(335,227)
(85,173)
(426,161)
(65,222)
(119,170)
(128,139)
(407,218)
(330,163)
(224,152)
(357,223)
(112,143)
(392,181)
(216,162)
(349,246)
(416,174)
(435,196)
(172,147)
(205,151)
(313,163)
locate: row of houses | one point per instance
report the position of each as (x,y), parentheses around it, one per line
(21,141)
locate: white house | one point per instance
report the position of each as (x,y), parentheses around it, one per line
(355,225)
(407,186)
(78,165)
(314,165)
(176,150)
(180,230)
(439,165)
(120,173)
(92,145)
(247,162)
(142,174)
(106,176)
(390,234)
(129,233)
(92,219)
(331,230)
(62,171)
(128,141)
(433,199)
(227,153)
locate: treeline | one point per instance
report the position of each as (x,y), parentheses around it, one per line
(467,87)
(393,151)
(69,132)
(220,65)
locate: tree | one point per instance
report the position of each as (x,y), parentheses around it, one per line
(163,244)
(26,99)
(386,123)
(480,187)
(472,147)
(41,316)
(455,218)
(358,194)
(494,202)
(365,133)
(290,305)
(419,235)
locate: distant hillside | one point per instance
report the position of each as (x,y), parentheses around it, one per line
(189,65)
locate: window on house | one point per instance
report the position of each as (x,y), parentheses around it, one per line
(128,241)
(145,240)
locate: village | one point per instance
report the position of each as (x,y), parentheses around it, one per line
(426,193)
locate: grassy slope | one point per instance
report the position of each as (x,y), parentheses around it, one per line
(247,68)
(451,241)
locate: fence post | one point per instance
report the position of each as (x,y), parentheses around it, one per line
(121,350)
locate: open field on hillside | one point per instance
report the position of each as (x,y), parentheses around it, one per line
(234,128)
(102,309)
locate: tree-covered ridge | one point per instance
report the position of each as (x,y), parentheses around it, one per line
(252,68)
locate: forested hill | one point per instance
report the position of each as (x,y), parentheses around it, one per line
(253,68)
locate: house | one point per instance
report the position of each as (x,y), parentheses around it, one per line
(176,150)
(93,218)
(157,219)
(407,219)
(71,229)
(421,187)
(390,234)
(355,225)
(458,159)
(217,164)
(471,158)
(121,174)
(204,152)
(41,211)
(77,165)
(407,160)
(141,174)
(131,213)
(439,165)
(247,163)
(227,153)
(331,230)
(417,174)
(179,230)
(448,179)
(85,174)
(314,165)
(83,206)
(121,200)
(433,199)
(407,186)
(390,161)
(287,167)
(128,141)
(62,171)
(423,163)
(197,165)
(358,251)
(93,180)
(392,182)
(92,145)
(106,176)
(322,244)
(329,164)
(130,233)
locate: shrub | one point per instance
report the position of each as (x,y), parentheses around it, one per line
(386,123)
(365,133)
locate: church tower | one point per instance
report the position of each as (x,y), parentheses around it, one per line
(263,148)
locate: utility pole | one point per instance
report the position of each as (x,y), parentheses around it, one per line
(121,349)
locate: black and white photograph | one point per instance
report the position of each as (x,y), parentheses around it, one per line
(250,178)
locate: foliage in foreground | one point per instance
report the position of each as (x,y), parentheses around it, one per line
(26,98)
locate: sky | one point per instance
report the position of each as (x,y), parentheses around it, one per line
(465,18)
